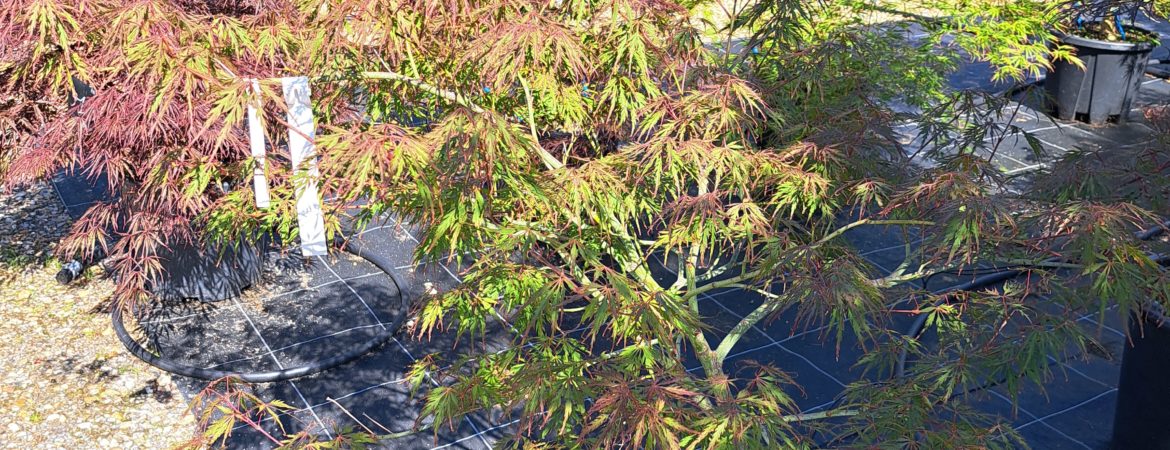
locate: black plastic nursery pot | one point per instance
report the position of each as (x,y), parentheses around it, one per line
(1104,90)
(1142,420)
(208,272)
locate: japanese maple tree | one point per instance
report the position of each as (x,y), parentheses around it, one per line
(603,165)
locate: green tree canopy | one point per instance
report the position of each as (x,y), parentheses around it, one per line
(580,149)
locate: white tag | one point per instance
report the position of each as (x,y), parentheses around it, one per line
(256,139)
(304,160)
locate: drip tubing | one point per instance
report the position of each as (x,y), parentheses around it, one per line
(178,368)
(919,324)
(916,328)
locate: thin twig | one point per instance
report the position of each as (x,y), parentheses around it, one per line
(821,415)
(346,411)
(444,93)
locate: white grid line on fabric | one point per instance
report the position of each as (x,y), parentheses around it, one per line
(1019,112)
(1084,375)
(281,366)
(1090,318)
(814,365)
(913,126)
(53,183)
(436,383)
(1070,408)
(396,341)
(457,279)
(1020,170)
(821,406)
(1046,142)
(327,283)
(310,407)
(212,313)
(773,342)
(1004,155)
(351,394)
(366,388)
(864,254)
(1027,165)
(1033,416)
(300,343)
(886,249)
(208,314)
(1022,131)
(355,293)
(479,434)
(778,343)
(334,334)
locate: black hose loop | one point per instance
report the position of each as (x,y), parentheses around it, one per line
(916,328)
(381,338)
(919,324)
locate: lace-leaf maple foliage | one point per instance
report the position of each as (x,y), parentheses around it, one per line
(601,167)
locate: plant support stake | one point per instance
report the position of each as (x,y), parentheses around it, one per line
(256,140)
(304,160)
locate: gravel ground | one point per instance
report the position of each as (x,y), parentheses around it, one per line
(66,382)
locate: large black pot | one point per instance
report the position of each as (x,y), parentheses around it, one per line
(1106,87)
(1142,420)
(208,272)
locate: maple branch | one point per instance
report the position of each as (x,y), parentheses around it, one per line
(444,93)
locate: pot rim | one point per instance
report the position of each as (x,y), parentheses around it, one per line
(1155,310)
(1129,47)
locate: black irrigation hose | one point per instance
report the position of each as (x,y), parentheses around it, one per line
(916,328)
(285,374)
(919,324)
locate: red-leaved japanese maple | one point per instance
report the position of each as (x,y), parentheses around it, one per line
(610,164)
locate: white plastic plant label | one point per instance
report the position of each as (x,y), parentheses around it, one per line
(304,160)
(256,139)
